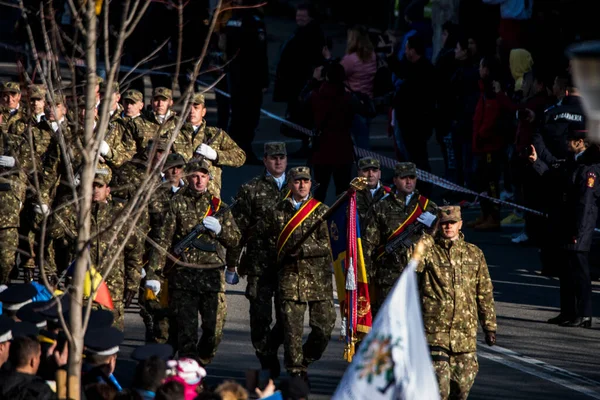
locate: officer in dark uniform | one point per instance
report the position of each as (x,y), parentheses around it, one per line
(581,191)
(247,73)
(549,145)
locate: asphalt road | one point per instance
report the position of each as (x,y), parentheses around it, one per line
(533,360)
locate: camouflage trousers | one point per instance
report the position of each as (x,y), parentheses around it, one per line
(156,317)
(298,357)
(455,373)
(185,306)
(260,290)
(9,242)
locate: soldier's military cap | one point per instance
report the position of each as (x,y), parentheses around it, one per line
(368,162)
(6,325)
(99,319)
(163,351)
(49,309)
(450,214)
(174,160)
(37,92)
(103,341)
(161,144)
(11,87)
(162,92)
(23,328)
(134,95)
(115,85)
(198,98)
(103,175)
(29,313)
(299,173)
(59,98)
(16,296)
(197,165)
(403,169)
(275,149)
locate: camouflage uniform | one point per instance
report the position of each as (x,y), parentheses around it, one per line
(303,280)
(155,315)
(166,128)
(383,219)
(13,183)
(456,290)
(122,146)
(366,198)
(228,152)
(138,130)
(126,273)
(194,290)
(254,200)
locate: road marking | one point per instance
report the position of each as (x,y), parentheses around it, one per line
(548,372)
(534,284)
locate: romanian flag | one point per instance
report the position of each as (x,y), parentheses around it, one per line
(350,274)
(93,281)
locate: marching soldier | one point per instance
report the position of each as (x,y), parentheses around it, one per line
(139,129)
(163,118)
(124,279)
(13,181)
(403,212)
(255,199)
(369,168)
(154,311)
(304,274)
(196,284)
(117,145)
(211,143)
(456,291)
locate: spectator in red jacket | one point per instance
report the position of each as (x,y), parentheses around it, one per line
(488,145)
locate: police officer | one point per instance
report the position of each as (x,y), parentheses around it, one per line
(304,272)
(396,214)
(247,74)
(456,290)
(578,215)
(255,199)
(196,284)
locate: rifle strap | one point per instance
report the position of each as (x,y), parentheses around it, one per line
(422,203)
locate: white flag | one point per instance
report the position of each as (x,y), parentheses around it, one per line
(393,361)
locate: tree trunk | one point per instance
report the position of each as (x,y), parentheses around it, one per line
(83,219)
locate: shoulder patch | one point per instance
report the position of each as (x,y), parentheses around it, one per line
(591,179)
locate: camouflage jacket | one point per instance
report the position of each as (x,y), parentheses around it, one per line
(167,128)
(255,200)
(228,152)
(122,146)
(53,166)
(456,291)
(309,277)
(126,273)
(383,219)
(128,178)
(138,131)
(365,200)
(186,210)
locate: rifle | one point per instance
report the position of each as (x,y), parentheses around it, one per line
(193,239)
(404,239)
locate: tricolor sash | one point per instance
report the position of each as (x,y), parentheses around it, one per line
(294,222)
(422,203)
(215,204)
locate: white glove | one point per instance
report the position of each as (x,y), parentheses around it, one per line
(104,148)
(153,285)
(42,209)
(206,151)
(231,277)
(143,274)
(427,218)
(9,162)
(76,180)
(212,224)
